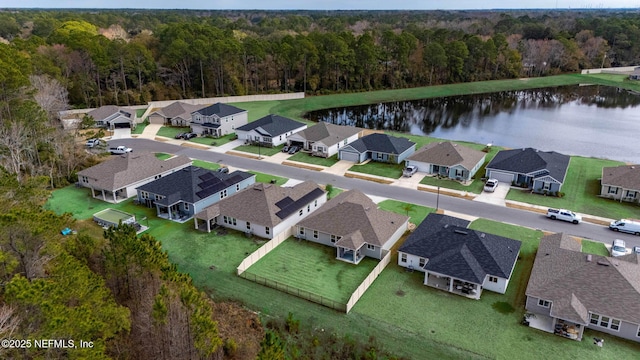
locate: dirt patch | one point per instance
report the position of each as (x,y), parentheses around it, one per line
(368,178)
(240,327)
(194,146)
(242,154)
(302,166)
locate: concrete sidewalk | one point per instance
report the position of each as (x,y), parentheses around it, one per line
(497,197)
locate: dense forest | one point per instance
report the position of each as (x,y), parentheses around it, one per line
(131,57)
(119,290)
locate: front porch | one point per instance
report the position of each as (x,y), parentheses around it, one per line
(453,285)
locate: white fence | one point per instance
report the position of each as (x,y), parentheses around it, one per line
(264,250)
(614,70)
(368,281)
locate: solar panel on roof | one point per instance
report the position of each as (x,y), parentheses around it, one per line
(298,204)
(209,183)
(206,176)
(284,202)
(206,192)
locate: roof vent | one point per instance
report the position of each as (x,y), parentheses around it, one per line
(482,235)
(589,257)
(603,262)
(460,232)
(446,226)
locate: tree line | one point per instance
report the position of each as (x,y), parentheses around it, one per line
(132,57)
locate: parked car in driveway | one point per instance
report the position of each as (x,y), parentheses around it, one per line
(409,171)
(179,135)
(224,170)
(618,248)
(294,149)
(491,185)
(285,149)
(188,136)
(565,215)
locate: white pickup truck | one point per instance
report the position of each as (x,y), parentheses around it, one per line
(565,215)
(119,150)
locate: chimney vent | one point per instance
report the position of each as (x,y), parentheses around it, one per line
(589,257)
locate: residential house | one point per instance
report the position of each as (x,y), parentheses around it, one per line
(218,119)
(271,130)
(180,195)
(448,159)
(111,117)
(569,291)
(541,171)
(457,259)
(353,224)
(176,114)
(116,179)
(378,147)
(621,183)
(324,139)
(265,210)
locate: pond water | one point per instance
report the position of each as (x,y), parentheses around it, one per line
(594,121)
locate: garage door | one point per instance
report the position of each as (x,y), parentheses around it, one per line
(349,156)
(156,119)
(501,176)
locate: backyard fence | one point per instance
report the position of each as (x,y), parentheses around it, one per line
(303,294)
(263,250)
(368,281)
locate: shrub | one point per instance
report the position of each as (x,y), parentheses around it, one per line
(230,348)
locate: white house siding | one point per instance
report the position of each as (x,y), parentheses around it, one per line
(405,154)
(228,124)
(396,235)
(413,262)
(627,330)
(178,121)
(299,139)
(499,287)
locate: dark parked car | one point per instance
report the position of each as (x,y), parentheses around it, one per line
(285,148)
(293,150)
(179,135)
(188,136)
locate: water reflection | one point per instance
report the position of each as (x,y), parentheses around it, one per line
(581,120)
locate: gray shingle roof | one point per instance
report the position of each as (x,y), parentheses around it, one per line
(272,125)
(104,112)
(327,133)
(626,176)
(462,253)
(382,143)
(123,170)
(258,203)
(178,109)
(350,212)
(576,286)
(220,109)
(192,184)
(529,160)
(448,154)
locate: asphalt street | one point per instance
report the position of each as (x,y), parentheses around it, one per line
(459,205)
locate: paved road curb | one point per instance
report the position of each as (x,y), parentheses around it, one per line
(302,165)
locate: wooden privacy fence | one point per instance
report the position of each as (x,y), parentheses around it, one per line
(263,250)
(368,281)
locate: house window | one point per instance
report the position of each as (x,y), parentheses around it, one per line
(267,139)
(301,231)
(237,187)
(423,262)
(605,322)
(315,234)
(546,185)
(300,212)
(248,225)
(544,303)
(613,190)
(638,334)
(186,206)
(333,239)
(493,279)
(308,207)
(371,247)
(144,194)
(315,203)
(280,137)
(267,230)
(345,142)
(615,324)
(403,258)
(233,221)
(631,194)
(85,179)
(223,194)
(225,219)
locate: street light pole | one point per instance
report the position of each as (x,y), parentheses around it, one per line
(438,199)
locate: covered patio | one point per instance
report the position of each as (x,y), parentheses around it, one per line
(453,285)
(109,196)
(206,220)
(564,328)
(349,246)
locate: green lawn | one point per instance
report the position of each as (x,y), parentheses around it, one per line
(140,127)
(594,247)
(393,171)
(263,151)
(140,112)
(315,160)
(267,178)
(581,188)
(312,268)
(172,131)
(206,164)
(417,213)
(163,156)
(221,140)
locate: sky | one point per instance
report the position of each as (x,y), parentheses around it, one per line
(322,4)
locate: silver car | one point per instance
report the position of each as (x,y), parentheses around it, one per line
(491,185)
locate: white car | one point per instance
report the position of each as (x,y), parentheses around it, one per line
(409,171)
(491,185)
(618,248)
(93,142)
(565,215)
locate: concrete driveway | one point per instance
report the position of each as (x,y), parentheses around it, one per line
(497,197)
(339,168)
(121,133)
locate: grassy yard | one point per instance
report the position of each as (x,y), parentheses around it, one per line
(163,156)
(594,247)
(581,188)
(393,171)
(263,151)
(313,268)
(140,127)
(417,213)
(315,160)
(172,131)
(206,164)
(266,178)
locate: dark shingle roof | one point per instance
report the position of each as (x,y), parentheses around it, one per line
(625,176)
(462,253)
(220,109)
(272,125)
(192,184)
(382,143)
(353,211)
(529,160)
(576,284)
